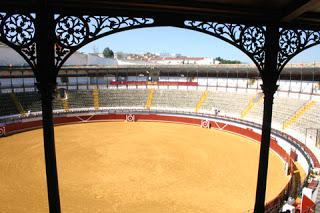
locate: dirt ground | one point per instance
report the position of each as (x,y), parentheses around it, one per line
(136,167)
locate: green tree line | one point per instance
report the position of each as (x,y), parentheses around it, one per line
(226,61)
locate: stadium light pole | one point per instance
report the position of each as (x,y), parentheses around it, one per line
(46,82)
(269,76)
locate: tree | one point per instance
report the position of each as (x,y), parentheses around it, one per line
(225,61)
(108,53)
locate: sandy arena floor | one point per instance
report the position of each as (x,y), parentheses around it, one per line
(136,167)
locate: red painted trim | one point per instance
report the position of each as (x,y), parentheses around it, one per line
(22,126)
(160,83)
(307,205)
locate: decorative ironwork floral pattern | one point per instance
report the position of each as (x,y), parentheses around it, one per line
(253,39)
(60,53)
(250,39)
(31,53)
(74,32)
(2,15)
(103,24)
(71,31)
(292,42)
(18,31)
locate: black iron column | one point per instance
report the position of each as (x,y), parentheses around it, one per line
(269,77)
(46,78)
(49,147)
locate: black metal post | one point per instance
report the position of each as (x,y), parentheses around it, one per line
(49,148)
(46,78)
(269,77)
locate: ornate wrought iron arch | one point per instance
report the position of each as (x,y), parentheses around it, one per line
(73,32)
(294,41)
(18,32)
(248,38)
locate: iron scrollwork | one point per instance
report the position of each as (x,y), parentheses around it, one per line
(249,39)
(73,32)
(18,32)
(292,42)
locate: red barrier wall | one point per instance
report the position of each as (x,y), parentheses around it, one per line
(22,126)
(161,83)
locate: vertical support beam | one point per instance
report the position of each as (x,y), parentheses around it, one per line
(46,78)
(49,148)
(269,77)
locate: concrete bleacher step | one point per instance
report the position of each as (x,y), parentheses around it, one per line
(17,103)
(294,118)
(256,99)
(150,99)
(202,100)
(95,94)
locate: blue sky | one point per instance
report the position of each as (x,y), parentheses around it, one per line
(186,42)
